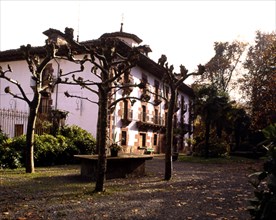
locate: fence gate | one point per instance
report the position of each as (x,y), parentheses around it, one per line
(13,122)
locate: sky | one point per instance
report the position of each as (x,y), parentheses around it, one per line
(185,31)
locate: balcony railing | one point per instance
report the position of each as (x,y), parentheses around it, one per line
(147,121)
(127,117)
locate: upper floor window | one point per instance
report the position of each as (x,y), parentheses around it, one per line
(144,78)
(47,74)
(157,99)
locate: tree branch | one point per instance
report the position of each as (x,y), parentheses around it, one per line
(12,81)
(76,96)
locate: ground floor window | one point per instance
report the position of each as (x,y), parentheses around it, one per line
(142,140)
(18,130)
(155,139)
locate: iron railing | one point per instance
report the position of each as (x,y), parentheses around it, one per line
(13,122)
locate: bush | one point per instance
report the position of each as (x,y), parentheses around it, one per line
(3,137)
(263,205)
(78,141)
(217,148)
(69,141)
(48,149)
(12,152)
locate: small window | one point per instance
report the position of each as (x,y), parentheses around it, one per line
(18,130)
(144,78)
(155,139)
(144,113)
(124,138)
(125,114)
(142,140)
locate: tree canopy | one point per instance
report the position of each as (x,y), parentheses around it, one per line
(258,82)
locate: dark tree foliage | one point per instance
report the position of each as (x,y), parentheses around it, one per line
(214,109)
(259,80)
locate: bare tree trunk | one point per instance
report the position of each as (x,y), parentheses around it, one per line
(169,137)
(30,133)
(98,131)
(102,142)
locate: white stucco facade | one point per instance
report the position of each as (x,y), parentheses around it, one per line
(147,132)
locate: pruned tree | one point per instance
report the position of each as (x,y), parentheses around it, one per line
(110,64)
(41,83)
(173,80)
(220,69)
(258,82)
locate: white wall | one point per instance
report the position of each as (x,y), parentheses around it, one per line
(81,112)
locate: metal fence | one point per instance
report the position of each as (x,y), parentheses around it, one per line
(13,122)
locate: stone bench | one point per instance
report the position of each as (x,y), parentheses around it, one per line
(125,165)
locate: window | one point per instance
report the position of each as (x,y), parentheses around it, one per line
(124,138)
(125,114)
(144,113)
(47,74)
(18,130)
(126,77)
(45,105)
(156,89)
(144,78)
(142,140)
(166,115)
(155,139)
(156,117)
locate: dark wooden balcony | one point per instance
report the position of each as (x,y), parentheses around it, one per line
(127,117)
(146,122)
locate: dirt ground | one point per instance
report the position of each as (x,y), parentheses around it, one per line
(197,191)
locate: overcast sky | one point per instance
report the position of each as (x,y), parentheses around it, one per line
(183,30)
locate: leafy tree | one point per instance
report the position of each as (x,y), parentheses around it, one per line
(241,123)
(221,67)
(213,108)
(259,80)
(174,81)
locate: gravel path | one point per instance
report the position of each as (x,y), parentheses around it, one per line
(196,191)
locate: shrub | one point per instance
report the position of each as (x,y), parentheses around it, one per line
(12,152)
(3,137)
(263,206)
(218,147)
(78,141)
(46,150)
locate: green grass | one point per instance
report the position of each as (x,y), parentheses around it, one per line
(60,181)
